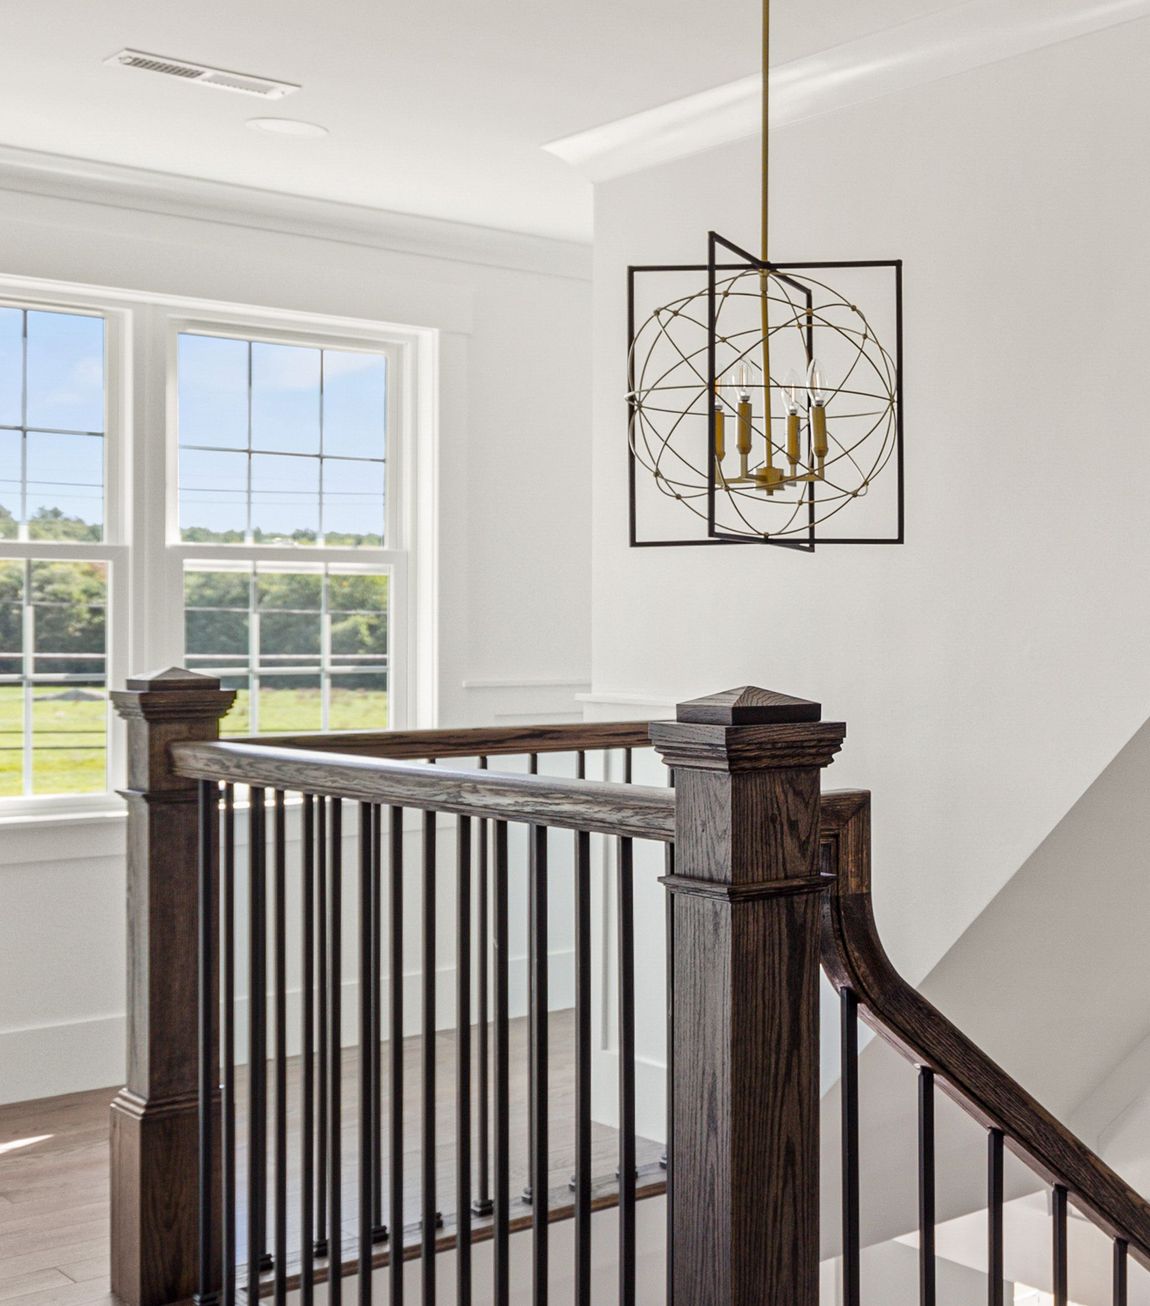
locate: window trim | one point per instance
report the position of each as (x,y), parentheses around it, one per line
(112,550)
(145,591)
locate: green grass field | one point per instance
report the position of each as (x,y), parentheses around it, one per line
(68,736)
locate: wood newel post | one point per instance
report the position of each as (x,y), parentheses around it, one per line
(744,1200)
(154,1123)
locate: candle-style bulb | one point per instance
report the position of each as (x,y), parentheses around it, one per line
(791,403)
(739,379)
(816,384)
(816,388)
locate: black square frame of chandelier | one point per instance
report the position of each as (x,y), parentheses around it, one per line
(711,269)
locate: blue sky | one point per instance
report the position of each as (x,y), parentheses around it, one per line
(65,392)
(303,401)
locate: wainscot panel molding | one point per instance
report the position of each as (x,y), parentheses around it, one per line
(954,40)
(602,705)
(526,701)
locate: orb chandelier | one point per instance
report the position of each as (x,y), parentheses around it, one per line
(766,399)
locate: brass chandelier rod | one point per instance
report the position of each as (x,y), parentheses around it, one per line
(764,275)
(766,112)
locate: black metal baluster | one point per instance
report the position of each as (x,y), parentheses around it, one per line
(668,1158)
(1121,1248)
(335,1058)
(532,769)
(502,1258)
(307,1055)
(429,1217)
(279,984)
(257,1040)
(626,945)
(209,1048)
(628,763)
(230,1252)
(378,1228)
(367,1055)
(395,1024)
(849,1088)
(995,1246)
(926,1186)
(463,1064)
(482,1205)
(540,1149)
(583,1000)
(321,1244)
(1061,1286)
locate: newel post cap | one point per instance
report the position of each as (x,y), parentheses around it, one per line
(173,694)
(748,706)
(172,680)
(747,729)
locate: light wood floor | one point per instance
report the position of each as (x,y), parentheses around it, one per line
(54,1214)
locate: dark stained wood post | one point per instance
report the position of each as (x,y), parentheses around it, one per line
(744,1132)
(154,1117)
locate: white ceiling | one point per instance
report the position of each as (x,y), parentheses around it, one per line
(437,107)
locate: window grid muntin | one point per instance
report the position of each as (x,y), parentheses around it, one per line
(255,668)
(24,430)
(29,678)
(250,452)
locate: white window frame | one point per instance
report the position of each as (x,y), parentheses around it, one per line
(142,546)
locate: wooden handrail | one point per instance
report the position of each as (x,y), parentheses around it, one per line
(632,811)
(472,741)
(854,958)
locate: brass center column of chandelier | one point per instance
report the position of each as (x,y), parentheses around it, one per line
(764,276)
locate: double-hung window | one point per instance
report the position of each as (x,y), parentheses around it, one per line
(217,489)
(283,527)
(57,549)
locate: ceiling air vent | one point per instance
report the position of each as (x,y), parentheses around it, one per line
(264,88)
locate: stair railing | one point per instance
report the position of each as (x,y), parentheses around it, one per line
(869,986)
(189,819)
(767,879)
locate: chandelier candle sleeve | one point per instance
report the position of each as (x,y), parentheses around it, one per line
(720,429)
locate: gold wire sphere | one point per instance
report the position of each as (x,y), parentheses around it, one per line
(673,396)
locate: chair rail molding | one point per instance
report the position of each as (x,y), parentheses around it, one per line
(955,40)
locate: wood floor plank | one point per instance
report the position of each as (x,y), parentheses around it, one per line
(45,1258)
(69,1294)
(54,1190)
(82,1271)
(34,1282)
(15,1219)
(59,1234)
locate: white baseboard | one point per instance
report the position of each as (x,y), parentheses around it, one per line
(650,1094)
(48,1060)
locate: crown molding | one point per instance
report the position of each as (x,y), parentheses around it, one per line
(928,49)
(143,190)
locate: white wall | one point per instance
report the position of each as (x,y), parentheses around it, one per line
(990,668)
(513,313)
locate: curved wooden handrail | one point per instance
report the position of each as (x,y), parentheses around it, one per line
(472,741)
(854,958)
(630,811)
